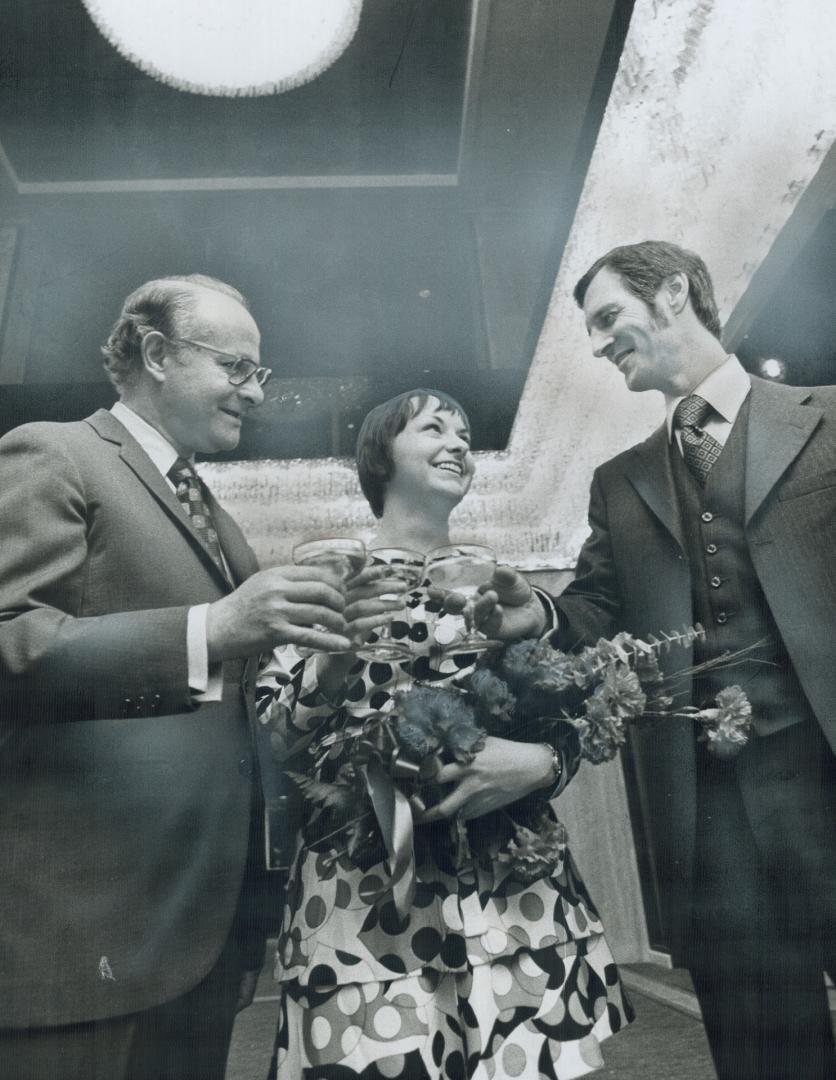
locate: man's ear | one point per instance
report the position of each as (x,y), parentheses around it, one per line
(155,358)
(676,289)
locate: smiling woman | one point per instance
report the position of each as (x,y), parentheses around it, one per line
(455,980)
(418,439)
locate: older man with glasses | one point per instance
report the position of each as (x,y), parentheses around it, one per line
(130,606)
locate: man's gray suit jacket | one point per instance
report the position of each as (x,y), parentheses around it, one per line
(125,809)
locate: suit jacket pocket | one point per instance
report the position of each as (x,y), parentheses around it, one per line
(805,485)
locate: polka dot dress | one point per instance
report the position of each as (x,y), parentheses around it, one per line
(488,976)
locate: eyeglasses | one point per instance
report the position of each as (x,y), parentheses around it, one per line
(238,370)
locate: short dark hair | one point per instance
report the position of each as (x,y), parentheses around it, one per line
(375,467)
(160,305)
(643,268)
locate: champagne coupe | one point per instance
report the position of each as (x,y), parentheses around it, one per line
(342,556)
(461,569)
(405,566)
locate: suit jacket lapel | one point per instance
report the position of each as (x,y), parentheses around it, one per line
(649,470)
(780,423)
(109,428)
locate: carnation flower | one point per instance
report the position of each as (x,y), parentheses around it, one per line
(539,851)
(430,705)
(534,664)
(492,694)
(465,742)
(726,729)
(437,717)
(600,730)
(555,673)
(519,660)
(417,736)
(622,691)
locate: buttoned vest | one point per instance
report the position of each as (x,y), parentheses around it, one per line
(727,597)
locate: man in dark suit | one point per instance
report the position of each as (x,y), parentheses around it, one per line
(726,516)
(129,606)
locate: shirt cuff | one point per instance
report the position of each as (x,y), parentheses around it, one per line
(205,682)
(549,609)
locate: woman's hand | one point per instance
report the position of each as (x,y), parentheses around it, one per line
(502,772)
(507,609)
(369,604)
(372,599)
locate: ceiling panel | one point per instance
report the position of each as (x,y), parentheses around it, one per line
(72,108)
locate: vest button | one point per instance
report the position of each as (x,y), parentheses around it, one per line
(715,582)
(711,549)
(706,515)
(721,617)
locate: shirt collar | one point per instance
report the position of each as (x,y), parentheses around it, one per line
(725,389)
(155,444)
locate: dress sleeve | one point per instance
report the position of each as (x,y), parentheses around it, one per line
(275,670)
(290,711)
(290,704)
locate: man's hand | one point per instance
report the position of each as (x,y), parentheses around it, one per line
(506,609)
(277,607)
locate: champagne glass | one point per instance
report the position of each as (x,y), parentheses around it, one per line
(408,567)
(342,556)
(462,568)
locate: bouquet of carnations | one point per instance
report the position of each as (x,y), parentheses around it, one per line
(528,692)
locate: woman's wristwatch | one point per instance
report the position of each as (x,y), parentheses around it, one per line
(557,768)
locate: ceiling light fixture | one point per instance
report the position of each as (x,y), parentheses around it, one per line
(229,48)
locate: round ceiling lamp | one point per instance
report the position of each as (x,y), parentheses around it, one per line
(229,47)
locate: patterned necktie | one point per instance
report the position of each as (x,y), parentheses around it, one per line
(699,449)
(189,491)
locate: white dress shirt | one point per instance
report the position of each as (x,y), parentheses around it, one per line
(206,684)
(725,389)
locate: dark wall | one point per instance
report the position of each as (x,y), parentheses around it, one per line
(797,325)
